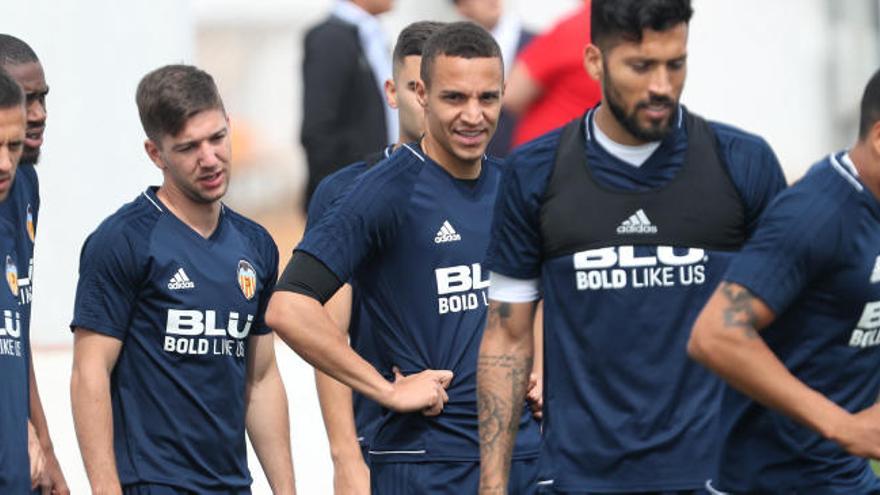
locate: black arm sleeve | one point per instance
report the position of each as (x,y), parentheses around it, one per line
(308,276)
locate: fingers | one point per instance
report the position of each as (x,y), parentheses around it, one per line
(444,377)
(397,374)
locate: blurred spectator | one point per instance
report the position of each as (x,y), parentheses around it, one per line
(512,38)
(346,62)
(548,85)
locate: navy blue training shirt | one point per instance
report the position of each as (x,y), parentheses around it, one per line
(183,307)
(366,412)
(625,409)
(815,261)
(15,473)
(413,237)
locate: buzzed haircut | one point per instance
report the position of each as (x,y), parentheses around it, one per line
(870,110)
(613,21)
(411,41)
(11,94)
(168,96)
(14,51)
(458,39)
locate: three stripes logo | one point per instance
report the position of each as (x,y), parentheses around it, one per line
(180,281)
(446,233)
(637,223)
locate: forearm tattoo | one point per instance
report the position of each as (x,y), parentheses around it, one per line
(739,313)
(502,382)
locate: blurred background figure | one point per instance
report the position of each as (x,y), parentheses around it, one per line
(512,37)
(347,60)
(548,85)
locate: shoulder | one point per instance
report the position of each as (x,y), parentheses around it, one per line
(740,147)
(331,29)
(252,231)
(127,230)
(393,176)
(533,161)
(339,180)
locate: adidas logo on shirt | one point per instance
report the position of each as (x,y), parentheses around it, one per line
(446,233)
(180,281)
(875,273)
(638,223)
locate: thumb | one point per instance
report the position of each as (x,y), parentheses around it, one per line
(444,377)
(397,374)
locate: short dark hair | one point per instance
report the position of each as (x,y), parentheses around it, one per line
(617,20)
(412,40)
(458,39)
(870,110)
(168,96)
(11,94)
(14,51)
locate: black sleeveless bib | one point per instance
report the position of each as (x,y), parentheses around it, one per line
(700,207)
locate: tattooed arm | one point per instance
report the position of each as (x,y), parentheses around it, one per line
(503,370)
(726,339)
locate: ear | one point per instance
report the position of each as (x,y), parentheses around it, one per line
(593,62)
(422,93)
(873,139)
(391,93)
(153,152)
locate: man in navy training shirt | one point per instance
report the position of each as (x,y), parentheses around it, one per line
(172,357)
(22,210)
(413,231)
(794,329)
(350,420)
(623,221)
(19,471)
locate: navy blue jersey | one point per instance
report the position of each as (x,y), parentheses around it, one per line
(366,412)
(413,237)
(624,407)
(14,461)
(183,307)
(21,209)
(815,261)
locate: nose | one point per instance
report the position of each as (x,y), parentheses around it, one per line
(7,162)
(208,154)
(36,110)
(661,81)
(472,114)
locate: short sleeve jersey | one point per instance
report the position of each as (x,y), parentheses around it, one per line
(414,237)
(366,412)
(815,262)
(625,409)
(14,461)
(183,307)
(21,209)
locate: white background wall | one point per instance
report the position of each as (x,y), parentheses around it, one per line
(790,70)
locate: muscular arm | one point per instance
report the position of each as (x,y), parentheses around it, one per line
(94,356)
(306,326)
(350,472)
(267,420)
(53,476)
(503,368)
(726,339)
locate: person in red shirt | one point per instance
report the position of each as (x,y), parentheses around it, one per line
(548,86)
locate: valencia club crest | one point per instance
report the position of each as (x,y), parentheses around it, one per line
(247,279)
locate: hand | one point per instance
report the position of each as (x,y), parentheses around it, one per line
(424,391)
(351,477)
(535,395)
(53,479)
(860,434)
(35,453)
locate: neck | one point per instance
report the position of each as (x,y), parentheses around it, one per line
(201,217)
(867,165)
(608,123)
(456,167)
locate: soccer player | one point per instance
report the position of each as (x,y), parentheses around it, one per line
(350,420)
(17,473)
(22,210)
(172,357)
(413,231)
(623,221)
(794,329)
